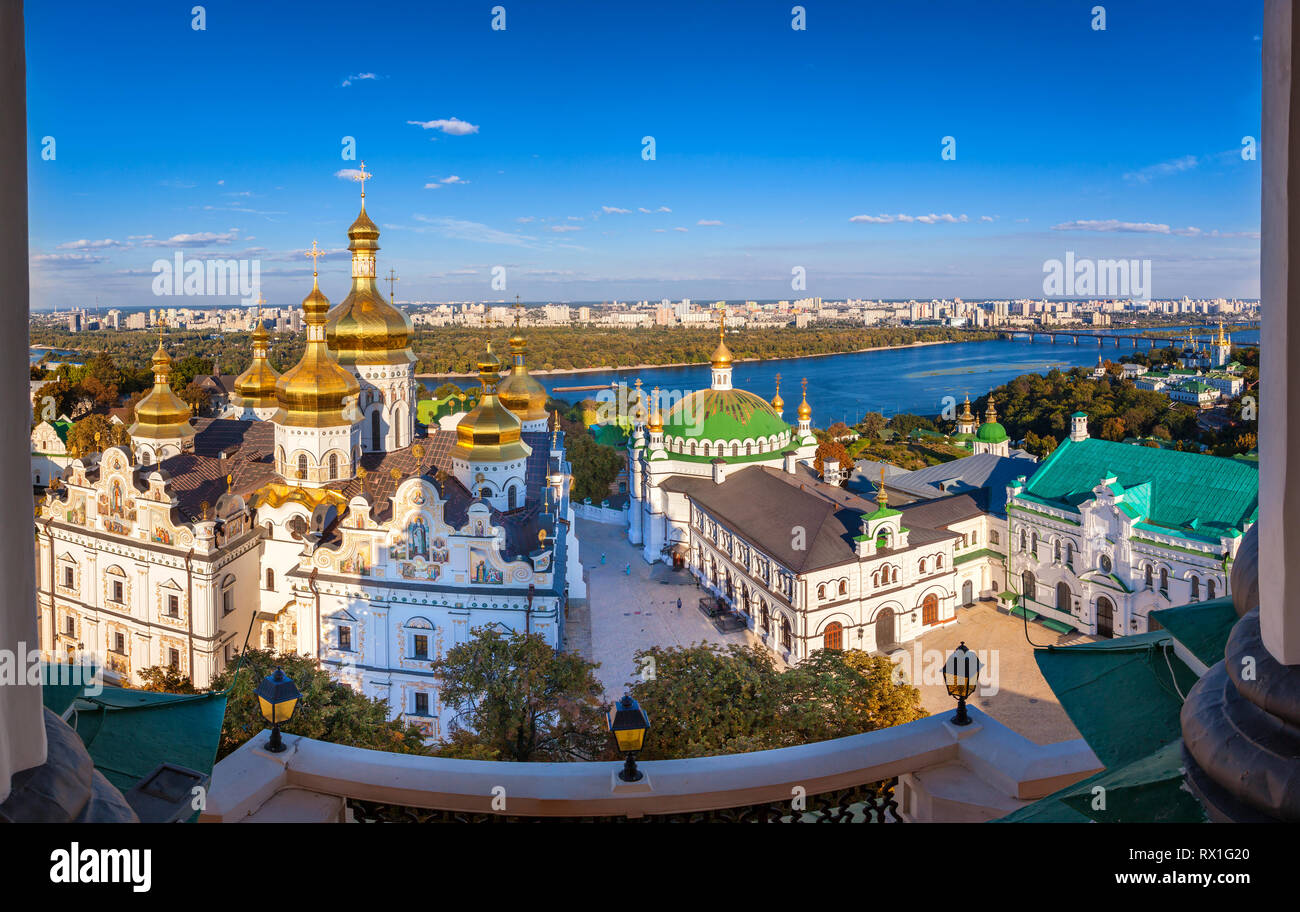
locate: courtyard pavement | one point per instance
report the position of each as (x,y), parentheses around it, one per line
(624,613)
(636,611)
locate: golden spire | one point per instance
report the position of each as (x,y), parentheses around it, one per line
(722,354)
(777,402)
(965,410)
(805,410)
(520,391)
(881,497)
(255,387)
(363,176)
(991,415)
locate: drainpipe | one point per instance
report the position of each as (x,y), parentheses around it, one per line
(189,608)
(53,625)
(311,582)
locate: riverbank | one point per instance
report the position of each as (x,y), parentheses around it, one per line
(642,367)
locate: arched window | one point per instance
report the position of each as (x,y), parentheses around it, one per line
(1063,598)
(1147,576)
(922,565)
(375,442)
(334,466)
(145,457)
(766,618)
(270,638)
(844,587)
(1196,589)
(882,539)
(1069,555)
(1030,585)
(875,580)
(510,497)
(1164,581)
(1056,551)
(938,562)
(302,465)
(930,609)
(1034,543)
(270,578)
(821,592)
(1210,587)
(834,636)
(786,633)
(893,576)
(1023,541)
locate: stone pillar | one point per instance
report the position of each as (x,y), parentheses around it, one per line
(22,723)
(1241,720)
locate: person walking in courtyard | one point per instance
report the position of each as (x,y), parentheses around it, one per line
(628,569)
(602,558)
(679,606)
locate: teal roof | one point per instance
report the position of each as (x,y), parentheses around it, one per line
(991,432)
(1187,492)
(1201,627)
(609,434)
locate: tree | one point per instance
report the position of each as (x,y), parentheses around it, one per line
(327,710)
(65,398)
(1113,429)
(81,436)
(165,679)
(831,451)
(447,389)
(714,699)
(516,698)
(198,398)
(872,424)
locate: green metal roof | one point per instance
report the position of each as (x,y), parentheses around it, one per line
(991,432)
(1201,627)
(723,415)
(1203,494)
(1121,694)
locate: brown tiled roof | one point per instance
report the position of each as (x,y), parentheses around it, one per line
(249,457)
(767,506)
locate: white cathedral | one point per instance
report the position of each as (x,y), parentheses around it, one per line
(321,518)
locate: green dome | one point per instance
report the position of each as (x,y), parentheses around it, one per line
(723,415)
(991,432)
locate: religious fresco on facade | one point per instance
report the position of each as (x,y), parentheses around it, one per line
(480,570)
(77,511)
(359,563)
(418,553)
(161,536)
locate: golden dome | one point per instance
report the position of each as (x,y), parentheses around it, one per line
(777,402)
(317,391)
(519,391)
(489,433)
(722,354)
(161,415)
(805,410)
(364,328)
(656,422)
(255,387)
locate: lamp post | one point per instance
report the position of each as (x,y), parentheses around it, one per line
(278,697)
(961,676)
(628,723)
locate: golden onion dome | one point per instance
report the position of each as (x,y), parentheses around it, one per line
(805,410)
(364,328)
(490,432)
(519,391)
(656,422)
(161,415)
(255,387)
(777,402)
(722,355)
(317,391)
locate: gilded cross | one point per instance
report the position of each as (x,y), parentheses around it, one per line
(363,176)
(315,253)
(392,278)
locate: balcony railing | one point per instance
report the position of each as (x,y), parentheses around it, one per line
(923,771)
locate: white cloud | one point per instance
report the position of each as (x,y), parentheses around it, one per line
(90,245)
(986,218)
(709,222)
(681,229)
(444,182)
(357,78)
(931,219)
(198,239)
(1163,169)
(350,174)
(560,229)
(1115,226)
(525,219)
(451,125)
(614,210)
(463,230)
(67,259)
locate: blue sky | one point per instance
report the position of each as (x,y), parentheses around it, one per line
(522,148)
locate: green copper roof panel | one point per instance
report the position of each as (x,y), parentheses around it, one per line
(1122,694)
(1201,627)
(1187,490)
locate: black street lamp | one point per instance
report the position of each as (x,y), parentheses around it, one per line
(628,723)
(961,676)
(278,697)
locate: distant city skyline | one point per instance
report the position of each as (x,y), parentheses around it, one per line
(518,153)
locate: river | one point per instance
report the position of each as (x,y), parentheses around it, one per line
(844,387)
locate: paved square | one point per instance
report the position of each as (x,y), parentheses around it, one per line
(635,611)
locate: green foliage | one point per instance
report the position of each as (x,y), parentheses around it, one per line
(81,436)
(713,699)
(595,466)
(518,699)
(327,711)
(165,679)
